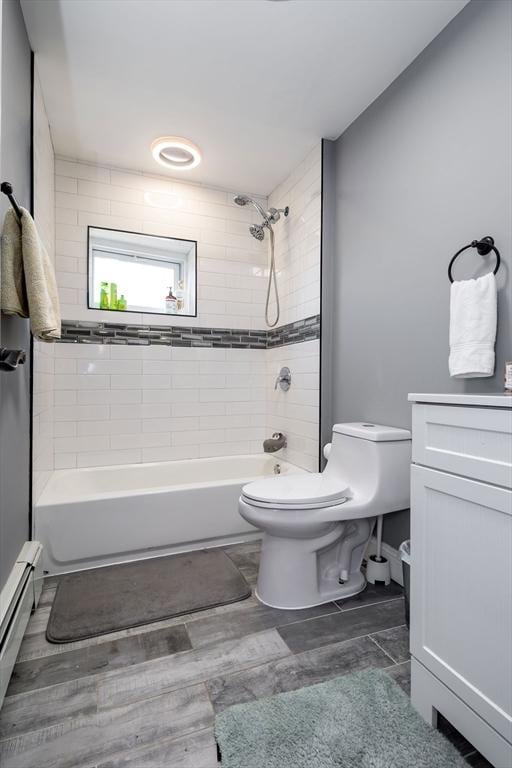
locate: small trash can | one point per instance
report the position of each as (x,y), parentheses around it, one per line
(405,554)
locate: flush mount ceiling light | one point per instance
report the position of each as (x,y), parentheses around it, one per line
(176,153)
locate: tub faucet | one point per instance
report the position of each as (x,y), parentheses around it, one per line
(274,443)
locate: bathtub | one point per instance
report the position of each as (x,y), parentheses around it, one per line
(98,516)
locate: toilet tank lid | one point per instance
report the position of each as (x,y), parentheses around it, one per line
(369,431)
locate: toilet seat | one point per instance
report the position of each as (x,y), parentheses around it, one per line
(311,491)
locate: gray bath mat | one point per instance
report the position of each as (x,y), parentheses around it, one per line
(362,720)
(101,600)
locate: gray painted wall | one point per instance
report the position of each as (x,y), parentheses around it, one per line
(15,164)
(425,170)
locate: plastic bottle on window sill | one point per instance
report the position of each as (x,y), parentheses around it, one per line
(121,302)
(180,296)
(171,303)
(104,303)
(113,295)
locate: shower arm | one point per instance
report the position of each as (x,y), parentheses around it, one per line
(260,210)
(269,217)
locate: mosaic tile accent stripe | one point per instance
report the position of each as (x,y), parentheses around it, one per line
(176,336)
(293,333)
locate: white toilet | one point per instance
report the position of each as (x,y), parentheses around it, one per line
(316,526)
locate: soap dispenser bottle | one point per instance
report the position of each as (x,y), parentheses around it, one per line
(171,303)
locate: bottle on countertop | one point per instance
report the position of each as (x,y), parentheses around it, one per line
(171,303)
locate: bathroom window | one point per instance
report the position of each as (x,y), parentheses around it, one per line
(132,272)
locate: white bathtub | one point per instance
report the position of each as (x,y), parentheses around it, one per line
(97,516)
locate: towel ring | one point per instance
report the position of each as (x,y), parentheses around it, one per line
(6,188)
(483,246)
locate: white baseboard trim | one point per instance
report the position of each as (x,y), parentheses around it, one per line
(393,555)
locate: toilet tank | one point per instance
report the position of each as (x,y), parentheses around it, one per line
(374,461)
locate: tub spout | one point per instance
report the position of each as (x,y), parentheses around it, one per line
(274,443)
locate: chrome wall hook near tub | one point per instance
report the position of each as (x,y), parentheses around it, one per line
(284,379)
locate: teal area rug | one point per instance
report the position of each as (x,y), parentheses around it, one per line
(363,720)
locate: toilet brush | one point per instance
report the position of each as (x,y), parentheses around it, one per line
(377,566)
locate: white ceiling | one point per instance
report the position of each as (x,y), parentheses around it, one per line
(256,84)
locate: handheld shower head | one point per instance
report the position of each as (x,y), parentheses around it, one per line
(257,231)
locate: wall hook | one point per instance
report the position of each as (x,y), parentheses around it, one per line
(11,358)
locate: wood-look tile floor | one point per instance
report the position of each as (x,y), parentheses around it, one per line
(146,697)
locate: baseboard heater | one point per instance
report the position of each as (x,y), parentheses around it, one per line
(17,599)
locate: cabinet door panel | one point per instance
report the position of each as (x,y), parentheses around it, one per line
(461,589)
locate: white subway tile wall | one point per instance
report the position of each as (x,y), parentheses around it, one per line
(297,247)
(43,371)
(129,404)
(231,263)
(114,404)
(295,413)
(42,415)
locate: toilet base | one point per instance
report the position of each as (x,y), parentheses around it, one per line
(356,585)
(301,573)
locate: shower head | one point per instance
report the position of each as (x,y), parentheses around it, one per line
(245,200)
(257,231)
(269,217)
(241,200)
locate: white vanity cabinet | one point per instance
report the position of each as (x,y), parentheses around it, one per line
(461,574)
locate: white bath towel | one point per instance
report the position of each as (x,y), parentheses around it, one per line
(473,316)
(28,285)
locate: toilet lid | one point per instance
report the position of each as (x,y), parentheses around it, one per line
(297,490)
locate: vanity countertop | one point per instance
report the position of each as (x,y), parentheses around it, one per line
(486,399)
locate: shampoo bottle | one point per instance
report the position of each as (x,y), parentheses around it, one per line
(104,303)
(113,295)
